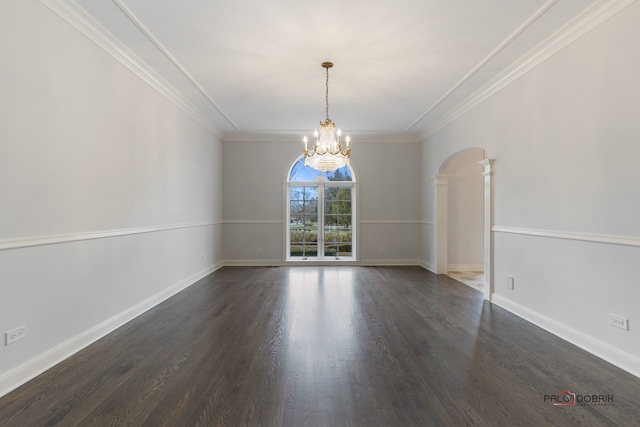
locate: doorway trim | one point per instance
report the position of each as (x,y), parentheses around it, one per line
(487,164)
(442,224)
(441,182)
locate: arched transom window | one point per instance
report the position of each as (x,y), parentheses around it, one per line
(320,214)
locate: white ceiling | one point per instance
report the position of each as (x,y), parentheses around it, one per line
(253,66)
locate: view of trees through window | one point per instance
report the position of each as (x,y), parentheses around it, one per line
(320,214)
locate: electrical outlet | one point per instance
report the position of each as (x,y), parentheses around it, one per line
(510,283)
(15,335)
(382,250)
(619,322)
(258,249)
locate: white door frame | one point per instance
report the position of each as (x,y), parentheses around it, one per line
(441,182)
(487,164)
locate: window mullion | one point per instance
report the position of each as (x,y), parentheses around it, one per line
(321,221)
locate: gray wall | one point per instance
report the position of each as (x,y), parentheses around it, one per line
(111,194)
(388,175)
(564,137)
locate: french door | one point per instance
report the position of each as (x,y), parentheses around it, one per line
(321,221)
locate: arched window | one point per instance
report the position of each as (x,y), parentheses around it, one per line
(320,214)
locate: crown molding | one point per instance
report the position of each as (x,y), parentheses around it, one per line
(514,35)
(263,137)
(297,137)
(83,22)
(586,21)
(382,138)
(165,52)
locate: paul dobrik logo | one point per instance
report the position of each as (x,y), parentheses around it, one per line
(568,398)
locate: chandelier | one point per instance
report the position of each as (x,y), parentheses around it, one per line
(327,153)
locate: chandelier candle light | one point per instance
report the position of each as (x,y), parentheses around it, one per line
(327,153)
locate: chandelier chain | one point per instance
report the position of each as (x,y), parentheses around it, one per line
(327,96)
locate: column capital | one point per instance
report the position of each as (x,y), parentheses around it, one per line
(487,164)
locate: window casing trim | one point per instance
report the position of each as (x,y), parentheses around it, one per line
(321,182)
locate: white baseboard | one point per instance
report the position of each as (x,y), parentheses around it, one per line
(465,267)
(390,262)
(428,266)
(279,263)
(592,345)
(253,263)
(34,367)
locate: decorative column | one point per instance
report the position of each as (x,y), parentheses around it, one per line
(442,207)
(488,223)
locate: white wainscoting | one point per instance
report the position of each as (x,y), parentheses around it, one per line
(79,274)
(594,346)
(568,283)
(34,367)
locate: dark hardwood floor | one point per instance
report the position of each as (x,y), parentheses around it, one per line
(325,346)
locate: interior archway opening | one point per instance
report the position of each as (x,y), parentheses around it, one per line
(461,235)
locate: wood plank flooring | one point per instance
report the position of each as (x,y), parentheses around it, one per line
(325,346)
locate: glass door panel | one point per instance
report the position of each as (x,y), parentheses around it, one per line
(338,231)
(303,225)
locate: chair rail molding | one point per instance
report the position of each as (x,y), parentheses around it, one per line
(572,235)
(27,242)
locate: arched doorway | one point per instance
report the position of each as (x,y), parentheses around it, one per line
(464,215)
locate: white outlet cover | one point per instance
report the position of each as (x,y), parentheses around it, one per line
(15,335)
(619,322)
